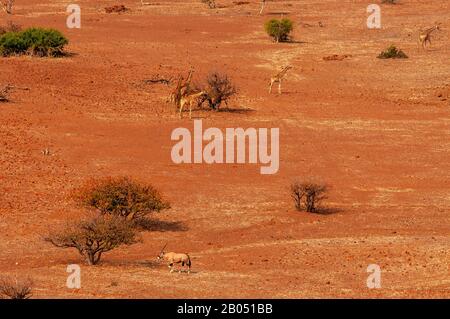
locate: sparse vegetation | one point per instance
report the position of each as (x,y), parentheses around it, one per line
(219,88)
(211,3)
(4,93)
(34,41)
(307,195)
(120,196)
(7,5)
(392,53)
(10,27)
(120,8)
(95,237)
(279,30)
(15,288)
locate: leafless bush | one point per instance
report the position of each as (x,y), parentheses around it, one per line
(7,5)
(308,195)
(15,288)
(116,9)
(211,3)
(94,237)
(219,88)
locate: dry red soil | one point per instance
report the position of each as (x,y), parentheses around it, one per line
(377,131)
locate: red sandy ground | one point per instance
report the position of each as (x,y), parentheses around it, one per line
(376,130)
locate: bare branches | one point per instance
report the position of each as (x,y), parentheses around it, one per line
(94,237)
(15,288)
(308,195)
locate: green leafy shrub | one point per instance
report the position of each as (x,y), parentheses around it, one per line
(279,30)
(392,53)
(35,41)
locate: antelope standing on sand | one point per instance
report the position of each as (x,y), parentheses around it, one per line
(188,100)
(278,78)
(425,35)
(174,258)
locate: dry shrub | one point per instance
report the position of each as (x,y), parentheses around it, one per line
(15,288)
(308,195)
(120,8)
(94,237)
(211,3)
(219,88)
(4,93)
(120,196)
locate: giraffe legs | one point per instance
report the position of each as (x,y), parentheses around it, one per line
(279,86)
(181,108)
(270,87)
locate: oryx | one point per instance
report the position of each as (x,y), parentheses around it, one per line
(175,258)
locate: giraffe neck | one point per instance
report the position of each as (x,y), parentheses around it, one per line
(283,72)
(430,30)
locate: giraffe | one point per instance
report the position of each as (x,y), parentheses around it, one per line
(181,89)
(425,35)
(278,78)
(189,99)
(7,6)
(263,3)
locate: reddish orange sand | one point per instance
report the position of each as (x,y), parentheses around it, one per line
(377,131)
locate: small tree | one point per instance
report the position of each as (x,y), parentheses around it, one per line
(279,30)
(307,195)
(219,88)
(94,237)
(15,288)
(7,6)
(120,196)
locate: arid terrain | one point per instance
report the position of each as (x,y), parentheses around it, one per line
(377,131)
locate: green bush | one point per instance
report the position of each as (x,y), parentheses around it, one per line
(392,53)
(34,41)
(279,29)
